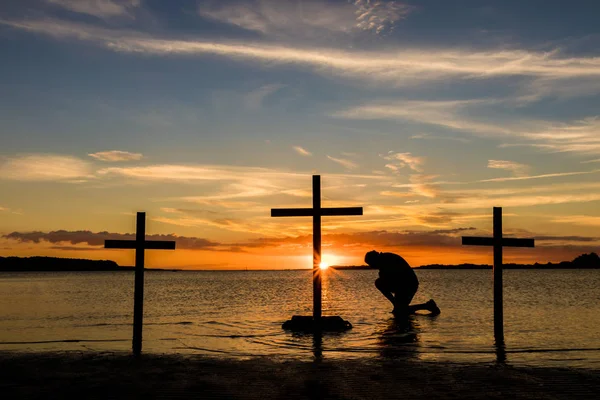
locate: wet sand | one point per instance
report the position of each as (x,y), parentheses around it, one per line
(121,376)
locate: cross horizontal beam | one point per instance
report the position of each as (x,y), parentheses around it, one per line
(488,241)
(147,244)
(310,212)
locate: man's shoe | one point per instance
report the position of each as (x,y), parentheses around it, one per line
(431,306)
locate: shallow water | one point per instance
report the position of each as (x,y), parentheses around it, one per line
(551,317)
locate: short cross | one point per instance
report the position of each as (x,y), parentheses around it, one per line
(139,244)
(498,242)
(316,212)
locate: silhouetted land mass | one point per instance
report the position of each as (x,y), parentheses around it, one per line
(584,261)
(56,264)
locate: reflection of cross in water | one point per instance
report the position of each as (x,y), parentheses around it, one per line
(139,244)
(498,242)
(316,212)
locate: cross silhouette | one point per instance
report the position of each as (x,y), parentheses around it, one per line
(498,242)
(316,212)
(140,244)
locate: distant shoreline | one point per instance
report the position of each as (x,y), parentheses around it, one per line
(56,264)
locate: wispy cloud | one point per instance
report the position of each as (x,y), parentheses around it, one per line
(99,8)
(302,151)
(597,160)
(309,18)
(515,168)
(445,113)
(425,136)
(378,16)
(45,167)
(422,185)
(348,164)
(397,67)
(256,98)
(116,155)
(98,238)
(401,160)
(585,220)
(578,136)
(543,176)
(177,172)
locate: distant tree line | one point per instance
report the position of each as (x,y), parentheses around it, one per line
(584,261)
(18,264)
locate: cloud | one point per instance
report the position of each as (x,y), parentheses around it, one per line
(551,238)
(543,176)
(523,201)
(302,151)
(578,136)
(45,167)
(254,100)
(309,18)
(375,239)
(116,155)
(445,113)
(378,16)
(516,168)
(482,198)
(401,160)
(597,160)
(98,238)
(177,172)
(584,220)
(395,67)
(99,8)
(348,164)
(425,136)
(423,186)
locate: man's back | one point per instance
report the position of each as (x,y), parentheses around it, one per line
(393,267)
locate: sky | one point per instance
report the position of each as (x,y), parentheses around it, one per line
(207,114)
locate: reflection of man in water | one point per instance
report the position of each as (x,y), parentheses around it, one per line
(398,283)
(399,338)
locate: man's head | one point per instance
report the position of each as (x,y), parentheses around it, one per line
(371,258)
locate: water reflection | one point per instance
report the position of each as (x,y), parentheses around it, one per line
(399,338)
(318,346)
(500,351)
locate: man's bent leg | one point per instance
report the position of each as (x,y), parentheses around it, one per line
(385,290)
(404,295)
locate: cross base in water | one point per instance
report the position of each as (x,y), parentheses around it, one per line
(306,323)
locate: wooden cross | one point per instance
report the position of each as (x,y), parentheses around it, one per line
(498,242)
(316,212)
(139,244)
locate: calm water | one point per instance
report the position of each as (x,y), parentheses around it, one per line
(552,318)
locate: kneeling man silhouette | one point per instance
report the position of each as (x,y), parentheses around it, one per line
(398,283)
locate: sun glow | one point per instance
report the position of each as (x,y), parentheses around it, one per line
(323,265)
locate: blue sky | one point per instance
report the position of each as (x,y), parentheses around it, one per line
(208,113)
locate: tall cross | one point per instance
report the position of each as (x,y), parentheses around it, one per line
(139,244)
(316,212)
(498,242)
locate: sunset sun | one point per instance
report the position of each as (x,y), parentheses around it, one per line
(323,265)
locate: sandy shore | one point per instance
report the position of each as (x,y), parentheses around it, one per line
(120,376)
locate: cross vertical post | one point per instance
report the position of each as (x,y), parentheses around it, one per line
(498,242)
(139,245)
(316,212)
(497,272)
(138,291)
(317,283)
